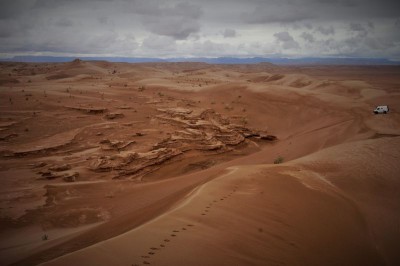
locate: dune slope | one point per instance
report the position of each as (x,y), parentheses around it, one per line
(299,213)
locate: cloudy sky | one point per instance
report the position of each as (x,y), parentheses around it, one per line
(204,28)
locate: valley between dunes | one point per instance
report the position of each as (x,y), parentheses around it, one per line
(173,164)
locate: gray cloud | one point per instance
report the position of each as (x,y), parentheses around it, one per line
(286,40)
(14,8)
(177,21)
(188,27)
(359,29)
(178,28)
(326,30)
(289,11)
(308,37)
(64,22)
(159,43)
(263,14)
(229,33)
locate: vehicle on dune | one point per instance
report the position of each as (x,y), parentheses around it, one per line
(381,109)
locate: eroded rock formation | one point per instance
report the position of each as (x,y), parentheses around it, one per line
(195,129)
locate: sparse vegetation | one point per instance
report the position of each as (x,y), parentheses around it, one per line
(228,107)
(278,160)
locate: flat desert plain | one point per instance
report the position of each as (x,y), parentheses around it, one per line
(196,164)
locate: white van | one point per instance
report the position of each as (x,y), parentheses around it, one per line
(382,109)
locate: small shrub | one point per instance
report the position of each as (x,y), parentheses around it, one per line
(278,160)
(228,107)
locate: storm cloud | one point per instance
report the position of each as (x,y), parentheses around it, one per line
(189,28)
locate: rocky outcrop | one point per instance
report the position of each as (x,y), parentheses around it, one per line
(42,145)
(268,137)
(67,177)
(70,177)
(59,168)
(204,129)
(112,116)
(133,164)
(117,145)
(109,163)
(148,162)
(195,129)
(7,137)
(89,110)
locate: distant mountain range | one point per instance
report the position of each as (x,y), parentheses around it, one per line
(217,60)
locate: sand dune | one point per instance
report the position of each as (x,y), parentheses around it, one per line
(173,164)
(303,212)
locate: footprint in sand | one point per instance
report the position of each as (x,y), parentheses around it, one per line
(151,253)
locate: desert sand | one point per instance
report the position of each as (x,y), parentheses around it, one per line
(198,164)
